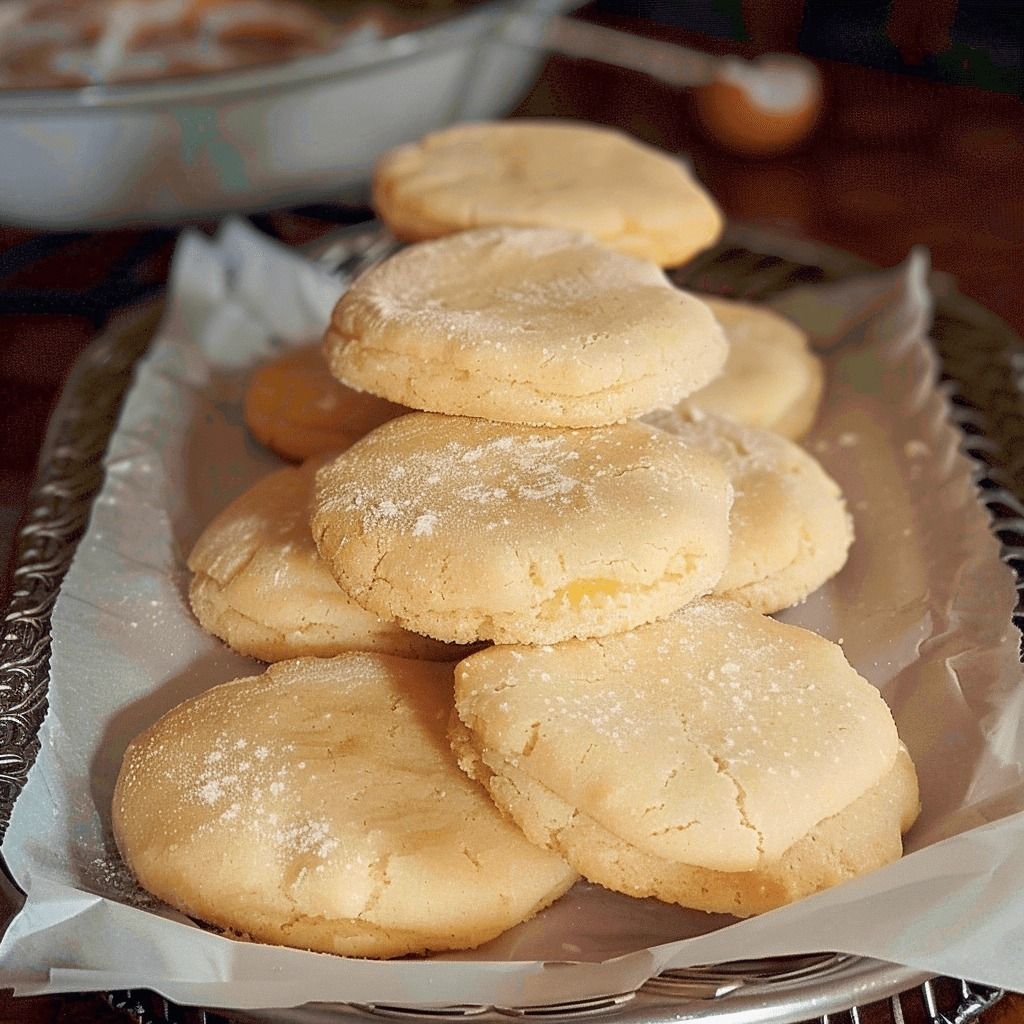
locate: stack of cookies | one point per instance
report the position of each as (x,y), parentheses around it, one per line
(521,631)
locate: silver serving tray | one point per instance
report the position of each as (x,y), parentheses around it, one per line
(982,360)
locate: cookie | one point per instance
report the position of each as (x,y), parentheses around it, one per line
(562,174)
(467,530)
(539,326)
(860,838)
(295,407)
(319,806)
(717,738)
(260,585)
(790,530)
(771,379)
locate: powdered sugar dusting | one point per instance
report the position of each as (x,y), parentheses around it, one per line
(742,450)
(484,475)
(424,525)
(716,696)
(256,791)
(504,289)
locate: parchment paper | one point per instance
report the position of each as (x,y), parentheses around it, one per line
(922,609)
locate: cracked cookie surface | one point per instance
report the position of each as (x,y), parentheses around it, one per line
(320,806)
(566,174)
(468,530)
(865,835)
(537,326)
(789,525)
(771,379)
(259,584)
(716,738)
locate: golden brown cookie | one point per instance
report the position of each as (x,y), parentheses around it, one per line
(296,407)
(790,530)
(319,806)
(772,380)
(466,530)
(861,837)
(523,325)
(561,174)
(259,584)
(716,738)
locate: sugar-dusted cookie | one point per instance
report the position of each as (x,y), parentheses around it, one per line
(319,806)
(716,738)
(296,408)
(523,325)
(771,379)
(861,837)
(465,529)
(260,585)
(562,174)
(789,525)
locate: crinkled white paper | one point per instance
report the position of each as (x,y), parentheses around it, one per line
(922,609)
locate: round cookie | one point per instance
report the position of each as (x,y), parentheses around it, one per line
(297,409)
(319,806)
(717,738)
(564,174)
(466,530)
(790,530)
(523,325)
(260,585)
(771,379)
(861,837)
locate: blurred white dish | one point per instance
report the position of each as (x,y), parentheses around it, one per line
(180,149)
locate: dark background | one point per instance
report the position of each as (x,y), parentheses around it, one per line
(968,42)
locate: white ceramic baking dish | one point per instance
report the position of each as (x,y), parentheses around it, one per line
(308,129)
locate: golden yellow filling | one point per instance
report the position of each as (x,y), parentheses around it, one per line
(588,590)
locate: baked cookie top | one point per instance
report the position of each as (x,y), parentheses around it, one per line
(466,530)
(863,836)
(716,738)
(295,407)
(523,325)
(319,806)
(261,586)
(565,174)
(771,378)
(790,530)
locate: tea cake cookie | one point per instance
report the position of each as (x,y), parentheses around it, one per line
(790,530)
(467,530)
(717,738)
(523,325)
(319,806)
(259,584)
(295,407)
(771,379)
(564,174)
(862,837)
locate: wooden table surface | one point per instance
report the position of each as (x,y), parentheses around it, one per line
(896,162)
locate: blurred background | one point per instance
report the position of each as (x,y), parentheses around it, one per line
(967,42)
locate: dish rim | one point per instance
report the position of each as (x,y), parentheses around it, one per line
(470,25)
